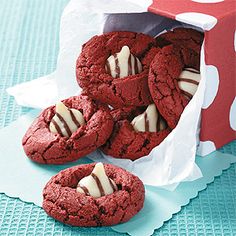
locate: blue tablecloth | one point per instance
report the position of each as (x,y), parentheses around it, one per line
(28,49)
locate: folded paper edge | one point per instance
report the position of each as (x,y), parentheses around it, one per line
(232,161)
(45,82)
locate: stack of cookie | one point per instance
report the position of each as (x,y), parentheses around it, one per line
(135,88)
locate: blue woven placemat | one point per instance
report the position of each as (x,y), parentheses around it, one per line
(28,49)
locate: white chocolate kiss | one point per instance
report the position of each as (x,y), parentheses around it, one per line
(188,81)
(123,63)
(66,120)
(149,121)
(97,184)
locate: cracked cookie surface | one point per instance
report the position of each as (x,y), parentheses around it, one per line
(91,75)
(164,71)
(188,40)
(127,143)
(62,202)
(43,146)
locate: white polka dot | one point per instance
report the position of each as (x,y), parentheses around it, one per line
(204,21)
(235,40)
(208,1)
(212,85)
(205,148)
(232,115)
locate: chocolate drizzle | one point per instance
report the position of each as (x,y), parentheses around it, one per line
(135,65)
(146,122)
(192,70)
(108,68)
(123,64)
(65,121)
(129,65)
(58,129)
(191,81)
(76,122)
(186,94)
(117,66)
(98,186)
(149,121)
(158,123)
(161,123)
(188,82)
(65,125)
(85,190)
(98,182)
(114,187)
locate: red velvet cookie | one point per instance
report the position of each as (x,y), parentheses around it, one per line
(47,147)
(188,40)
(128,143)
(171,84)
(95,77)
(63,202)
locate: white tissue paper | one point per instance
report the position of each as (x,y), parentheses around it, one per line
(171,162)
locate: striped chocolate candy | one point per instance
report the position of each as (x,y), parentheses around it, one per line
(66,120)
(188,82)
(149,121)
(122,64)
(97,184)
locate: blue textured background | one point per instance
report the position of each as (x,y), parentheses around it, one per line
(28,49)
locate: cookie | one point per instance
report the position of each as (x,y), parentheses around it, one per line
(63,201)
(68,131)
(136,132)
(113,68)
(188,40)
(171,84)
